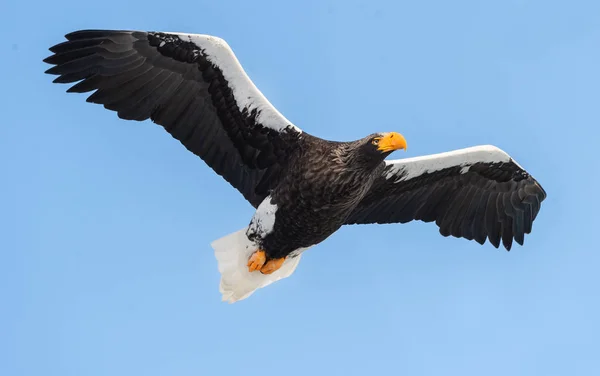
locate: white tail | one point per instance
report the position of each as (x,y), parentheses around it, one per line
(237,283)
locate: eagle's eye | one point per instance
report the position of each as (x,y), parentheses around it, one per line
(375,141)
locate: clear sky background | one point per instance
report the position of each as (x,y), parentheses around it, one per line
(105,259)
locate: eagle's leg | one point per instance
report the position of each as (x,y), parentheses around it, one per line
(272,265)
(257,260)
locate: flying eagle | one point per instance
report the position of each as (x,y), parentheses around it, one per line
(303,188)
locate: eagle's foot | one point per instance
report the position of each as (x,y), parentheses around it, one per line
(257,260)
(272,265)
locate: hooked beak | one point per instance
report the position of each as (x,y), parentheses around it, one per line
(391,141)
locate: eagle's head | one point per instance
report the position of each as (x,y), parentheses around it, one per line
(379,145)
(370,151)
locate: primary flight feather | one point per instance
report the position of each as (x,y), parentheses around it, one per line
(304,188)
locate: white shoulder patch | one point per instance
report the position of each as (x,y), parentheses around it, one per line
(246,94)
(409,168)
(263,221)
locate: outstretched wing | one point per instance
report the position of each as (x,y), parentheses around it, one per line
(193,86)
(474,193)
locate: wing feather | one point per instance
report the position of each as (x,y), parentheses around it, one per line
(194,87)
(477,193)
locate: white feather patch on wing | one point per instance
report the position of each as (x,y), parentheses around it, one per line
(237,283)
(263,220)
(409,168)
(246,94)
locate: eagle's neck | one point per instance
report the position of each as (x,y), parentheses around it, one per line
(351,158)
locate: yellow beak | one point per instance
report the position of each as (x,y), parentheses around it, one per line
(391,141)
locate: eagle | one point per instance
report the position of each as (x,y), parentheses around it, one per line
(303,188)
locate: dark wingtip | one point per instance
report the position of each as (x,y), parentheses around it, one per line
(494,242)
(53,70)
(85,33)
(52,59)
(520,240)
(94,33)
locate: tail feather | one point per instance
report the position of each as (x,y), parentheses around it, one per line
(237,283)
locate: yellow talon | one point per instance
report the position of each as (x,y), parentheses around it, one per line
(257,260)
(272,265)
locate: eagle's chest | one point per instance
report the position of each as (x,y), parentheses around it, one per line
(309,205)
(319,189)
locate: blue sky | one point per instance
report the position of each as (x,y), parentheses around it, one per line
(105,263)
